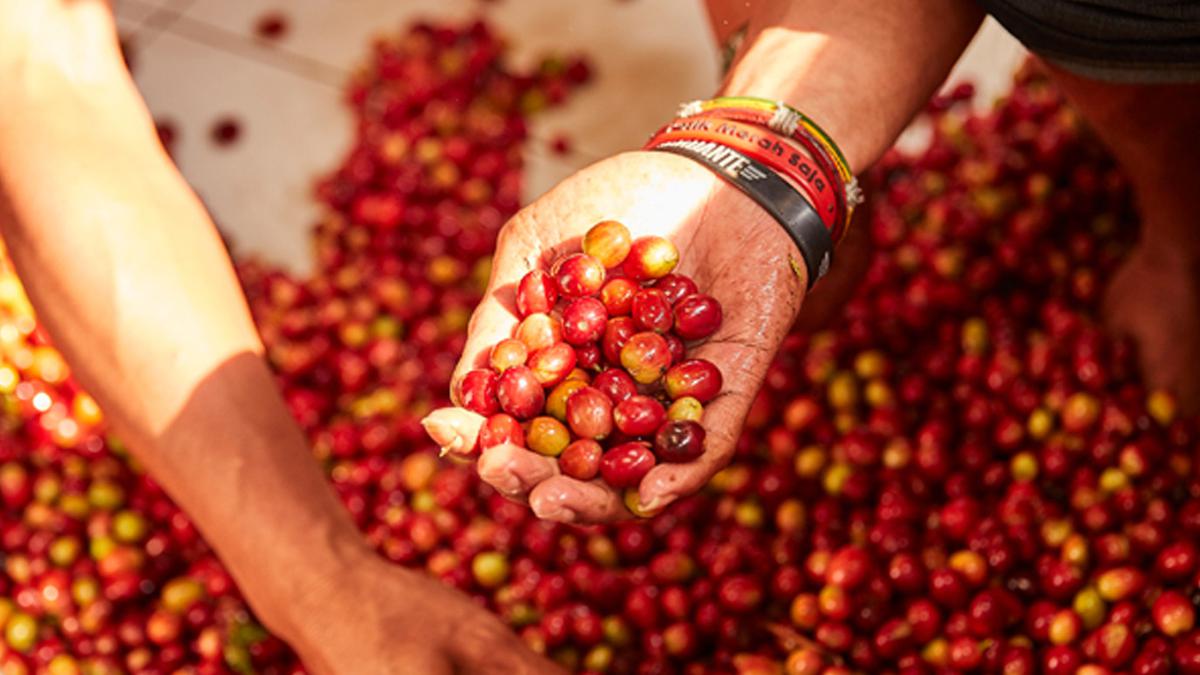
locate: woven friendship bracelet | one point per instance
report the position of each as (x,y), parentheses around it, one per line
(784,119)
(806,141)
(781,118)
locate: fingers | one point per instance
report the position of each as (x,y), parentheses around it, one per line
(742,369)
(514,471)
(568,500)
(455,430)
(518,473)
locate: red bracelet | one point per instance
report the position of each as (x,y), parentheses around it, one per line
(772,151)
(802,135)
(762,119)
(812,185)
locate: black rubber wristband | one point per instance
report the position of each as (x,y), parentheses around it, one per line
(785,203)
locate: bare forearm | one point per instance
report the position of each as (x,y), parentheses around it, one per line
(131,280)
(860,68)
(116,251)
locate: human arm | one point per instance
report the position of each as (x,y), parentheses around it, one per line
(862,70)
(129,277)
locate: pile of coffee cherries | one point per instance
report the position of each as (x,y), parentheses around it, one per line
(613,359)
(961,474)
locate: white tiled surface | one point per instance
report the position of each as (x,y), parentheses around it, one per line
(988,62)
(292,129)
(649,56)
(197,60)
(333,32)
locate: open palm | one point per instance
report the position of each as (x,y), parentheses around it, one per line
(728,245)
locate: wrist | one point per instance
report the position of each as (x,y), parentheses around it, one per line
(1174,251)
(235,460)
(682,182)
(860,148)
(294,592)
(861,72)
(311,603)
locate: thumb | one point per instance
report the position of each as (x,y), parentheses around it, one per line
(518,251)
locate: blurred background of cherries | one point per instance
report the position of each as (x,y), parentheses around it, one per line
(961,474)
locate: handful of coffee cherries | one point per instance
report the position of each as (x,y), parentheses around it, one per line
(597,374)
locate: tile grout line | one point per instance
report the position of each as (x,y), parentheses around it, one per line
(160,19)
(133,27)
(202,32)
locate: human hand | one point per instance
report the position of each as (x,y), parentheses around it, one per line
(733,250)
(1151,301)
(380,618)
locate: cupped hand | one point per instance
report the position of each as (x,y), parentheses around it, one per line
(731,248)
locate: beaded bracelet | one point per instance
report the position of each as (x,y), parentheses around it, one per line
(774,194)
(770,150)
(784,119)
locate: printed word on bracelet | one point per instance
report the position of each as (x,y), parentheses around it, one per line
(783,201)
(786,120)
(771,150)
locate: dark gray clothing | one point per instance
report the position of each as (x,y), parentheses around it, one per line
(1118,40)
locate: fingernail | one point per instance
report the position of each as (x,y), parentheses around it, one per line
(556,513)
(656,504)
(445,432)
